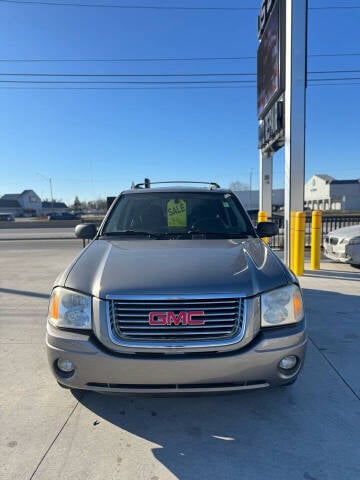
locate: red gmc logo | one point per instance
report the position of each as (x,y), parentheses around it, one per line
(171,318)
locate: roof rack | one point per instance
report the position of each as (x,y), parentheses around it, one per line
(147,183)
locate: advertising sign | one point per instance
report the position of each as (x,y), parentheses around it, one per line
(270,56)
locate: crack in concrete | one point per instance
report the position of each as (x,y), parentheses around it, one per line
(334,368)
(56,437)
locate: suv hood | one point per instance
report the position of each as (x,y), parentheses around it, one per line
(175,267)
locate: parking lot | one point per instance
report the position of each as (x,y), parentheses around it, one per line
(306,431)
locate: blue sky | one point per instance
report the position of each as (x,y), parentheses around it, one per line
(94,143)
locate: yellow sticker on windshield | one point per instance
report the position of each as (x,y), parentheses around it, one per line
(176,213)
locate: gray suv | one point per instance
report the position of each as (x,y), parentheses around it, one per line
(176,292)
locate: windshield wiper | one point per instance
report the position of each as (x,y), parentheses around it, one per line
(132,232)
(218,234)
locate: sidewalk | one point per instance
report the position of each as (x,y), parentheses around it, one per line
(37,233)
(332,302)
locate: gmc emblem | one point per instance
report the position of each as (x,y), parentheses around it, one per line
(171,318)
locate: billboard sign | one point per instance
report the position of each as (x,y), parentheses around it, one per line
(270,56)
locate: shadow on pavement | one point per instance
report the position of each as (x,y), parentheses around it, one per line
(203,437)
(281,433)
(335,274)
(24,293)
(333,317)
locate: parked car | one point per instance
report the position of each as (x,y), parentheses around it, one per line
(7,217)
(343,245)
(176,292)
(63,216)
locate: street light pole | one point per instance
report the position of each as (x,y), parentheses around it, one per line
(250,191)
(51,189)
(52,196)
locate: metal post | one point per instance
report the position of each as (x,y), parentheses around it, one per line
(263,217)
(52,196)
(250,191)
(295,103)
(292,236)
(315,240)
(265,187)
(299,243)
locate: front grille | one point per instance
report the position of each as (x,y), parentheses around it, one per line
(129,319)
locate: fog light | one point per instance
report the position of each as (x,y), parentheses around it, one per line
(287,363)
(65,365)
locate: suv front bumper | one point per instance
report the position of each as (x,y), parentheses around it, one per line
(254,366)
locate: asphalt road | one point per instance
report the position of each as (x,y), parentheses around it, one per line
(309,431)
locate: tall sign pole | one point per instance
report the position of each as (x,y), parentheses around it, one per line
(295,110)
(281,101)
(270,93)
(266,182)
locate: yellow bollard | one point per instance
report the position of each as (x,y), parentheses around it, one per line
(299,243)
(292,235)
(262,217)
(315,239)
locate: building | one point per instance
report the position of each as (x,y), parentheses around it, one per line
(28,203)
(53,207)
(323,192)
(250,199)
(25,203)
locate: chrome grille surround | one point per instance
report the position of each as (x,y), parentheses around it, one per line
(128,324)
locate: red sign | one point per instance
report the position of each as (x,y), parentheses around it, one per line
(160,319)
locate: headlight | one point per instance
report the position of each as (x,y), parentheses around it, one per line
(281,306)
(68,309)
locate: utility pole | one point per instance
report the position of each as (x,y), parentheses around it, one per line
(250,191)
(295,102)
(51,189)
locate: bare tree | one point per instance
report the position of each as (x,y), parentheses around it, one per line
(238,186)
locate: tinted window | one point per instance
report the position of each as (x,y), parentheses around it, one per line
(178,213)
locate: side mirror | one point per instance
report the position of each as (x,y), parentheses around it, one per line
(267,229)
(86,231)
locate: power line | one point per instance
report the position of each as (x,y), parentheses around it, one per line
(159,59)
(127,75)
(128,83)
(127,7)
(333,79)
(156,59)
(130,74)
(353,54)
(333,71)
(167,87)
(159,7)
(333,84)
(336,7)
(165,82)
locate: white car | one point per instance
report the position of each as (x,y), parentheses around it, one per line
(343,245)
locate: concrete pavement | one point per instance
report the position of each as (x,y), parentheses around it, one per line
(307,431)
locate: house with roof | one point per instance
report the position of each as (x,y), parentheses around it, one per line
(28,203)
(53,207)
(25,203)
(323,192)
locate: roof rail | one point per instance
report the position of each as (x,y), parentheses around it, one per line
(147,183)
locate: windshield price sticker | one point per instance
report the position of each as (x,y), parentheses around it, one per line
(176,213)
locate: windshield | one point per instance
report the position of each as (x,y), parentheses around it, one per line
(179,214)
